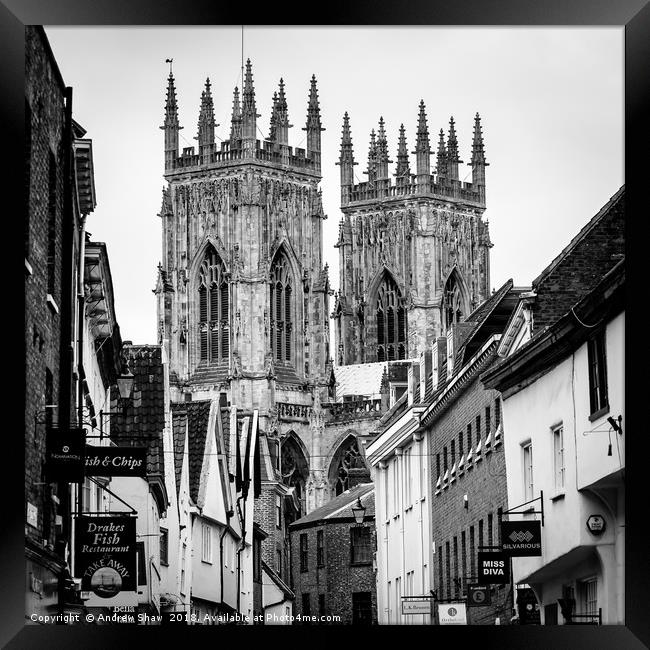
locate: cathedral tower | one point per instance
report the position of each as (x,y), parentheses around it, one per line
(242,291)
(414,255)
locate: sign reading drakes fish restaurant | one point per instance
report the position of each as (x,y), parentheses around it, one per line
(105,554)
(116,461)
(521,538)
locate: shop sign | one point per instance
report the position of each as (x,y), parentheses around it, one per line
(528,607)
(65,455)
(521,538)
(478,595)
(105,554)
(416,606)
(452,614)
(596,524)
(116,461)
(493,568)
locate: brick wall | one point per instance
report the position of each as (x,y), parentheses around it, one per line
(44,98)
(338,579)
(484,483)
(582,268)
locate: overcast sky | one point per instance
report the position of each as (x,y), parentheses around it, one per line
(551,102)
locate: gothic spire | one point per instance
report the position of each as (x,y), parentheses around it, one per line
(372,158)
(403,169)
(313,108)
(273,126)
(171,126)
(478,150)
(346,160)
(207,124)
(171,106)
(441,168)
(423,152)
(382,151)
(282,116)
(235,123)
(422,141)
(452,143)
(452,151)
(249,110)
(313,126)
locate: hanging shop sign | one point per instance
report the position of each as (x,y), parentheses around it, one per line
(116,461)
(452,614)
(528,607)
(596,524)
(493,568)
(105,554)
(412,605)
(478,595)
(521,538)
(65,455)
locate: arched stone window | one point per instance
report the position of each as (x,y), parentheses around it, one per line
(214,303)
(453,303)
(390,315)
(294,468)
(348,467)
(281,310)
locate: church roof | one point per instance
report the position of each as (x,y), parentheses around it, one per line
(362,379)
(339,508)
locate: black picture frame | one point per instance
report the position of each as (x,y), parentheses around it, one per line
(634,15)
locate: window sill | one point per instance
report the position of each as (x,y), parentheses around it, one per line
(599,413)
(51,303)
(206,561)
(408,508)
(557,497)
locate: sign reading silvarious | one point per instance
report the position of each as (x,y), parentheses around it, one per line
(493,568)
(521,538)
(452,614)
(478,595)
(65,455)
(116,461)
(105,554)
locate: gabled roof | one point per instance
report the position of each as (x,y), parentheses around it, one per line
(179,432)
(580,266)
(339,508)
(198,414)
(359,379)
(279,583)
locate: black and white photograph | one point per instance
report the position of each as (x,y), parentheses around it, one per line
(325,326)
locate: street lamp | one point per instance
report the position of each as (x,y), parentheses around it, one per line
(359,511)
(125,384)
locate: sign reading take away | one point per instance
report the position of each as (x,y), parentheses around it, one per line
(493,568)
(521,538)
(116,461)
(105,554)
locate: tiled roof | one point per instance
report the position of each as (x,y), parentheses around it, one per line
(359,379)
(143,420)
(340,507)
(198,414)
(179,430)
(596,249)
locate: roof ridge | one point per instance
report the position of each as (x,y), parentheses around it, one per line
(580,235)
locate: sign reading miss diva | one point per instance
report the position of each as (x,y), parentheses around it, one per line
(105,554)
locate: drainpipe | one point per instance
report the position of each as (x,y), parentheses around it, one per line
(221,537)
(242,519)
